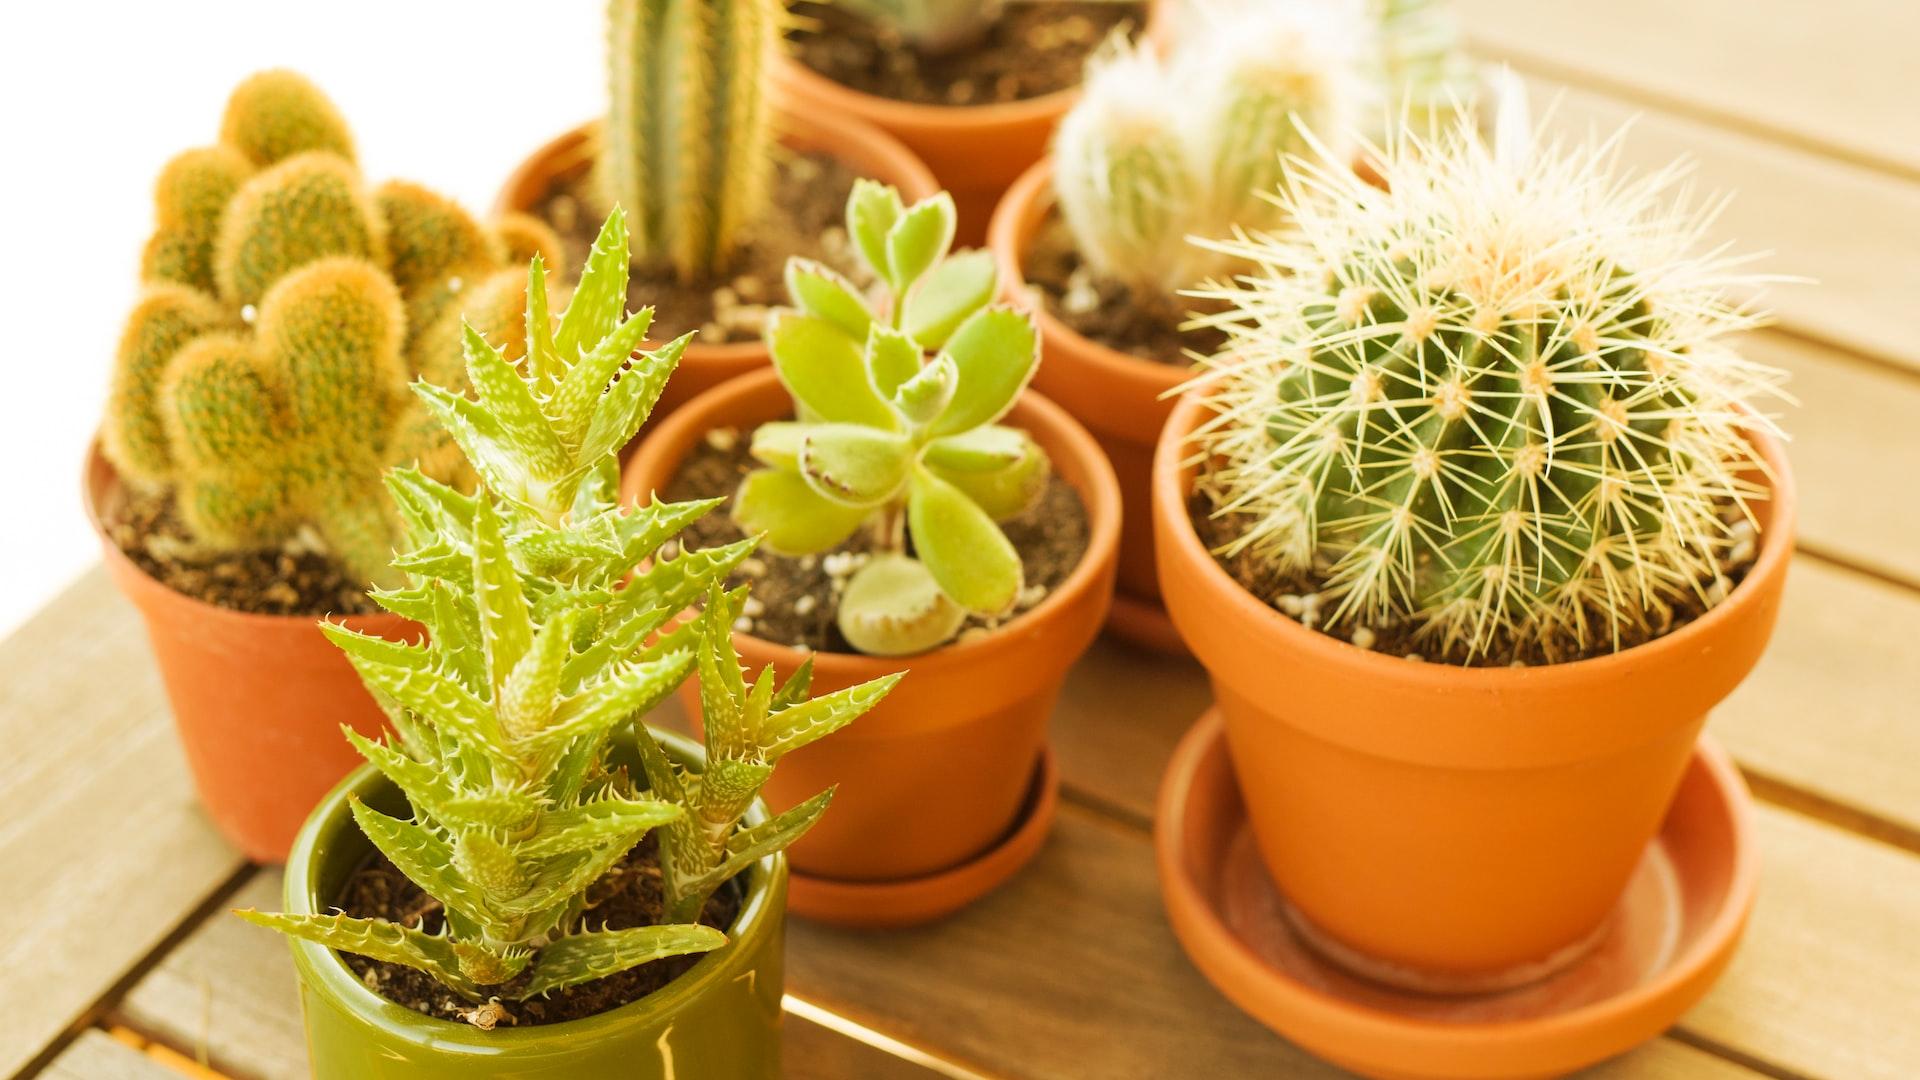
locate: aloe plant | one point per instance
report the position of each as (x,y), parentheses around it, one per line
(890,440)
(553,624)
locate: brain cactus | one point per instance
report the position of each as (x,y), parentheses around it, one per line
(1493,409)
(688,137)
(893,441)
(262,377)
(1158,150)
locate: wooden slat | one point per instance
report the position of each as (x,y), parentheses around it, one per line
(95,1055)
(1827,983)
(1853,231)
(1830,75)
(103,847)
(227,995)
(1071,971)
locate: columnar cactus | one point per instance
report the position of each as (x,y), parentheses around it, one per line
(688,139)
(279,287)
(890,440)
(553,627)
(1160,150)
(1493,407)
(932,26)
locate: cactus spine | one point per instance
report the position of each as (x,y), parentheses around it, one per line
(1158,151)
(1494,408)
(688,138)
(262,377)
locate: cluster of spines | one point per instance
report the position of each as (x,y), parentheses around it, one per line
(1493,407)
(276,284)
(688,138)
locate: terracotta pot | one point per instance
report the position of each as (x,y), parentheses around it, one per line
(938,771)
(974,150)
(1120,398)
(258,700)
(1448,828)
(721,1018)
(868,151)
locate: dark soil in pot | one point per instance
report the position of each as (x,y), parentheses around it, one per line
(794,599)
(296,578)
(1033,50)
(1108,312)
(1298,597)
(629,896)
(806,219)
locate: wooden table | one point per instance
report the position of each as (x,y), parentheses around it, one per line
(121,963)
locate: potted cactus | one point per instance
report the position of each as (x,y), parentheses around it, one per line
(975,87)
(259,390)
(720,183)
(1471,523)
(518,880)
(914,506)
(1094,241)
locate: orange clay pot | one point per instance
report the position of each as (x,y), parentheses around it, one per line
(937,773)
(1120,398)
(974,150)
(1444,828)
(258,700)
(868,151)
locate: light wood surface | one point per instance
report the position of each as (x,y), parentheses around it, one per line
(115,888)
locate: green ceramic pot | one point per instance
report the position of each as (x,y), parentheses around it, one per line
(719,1021)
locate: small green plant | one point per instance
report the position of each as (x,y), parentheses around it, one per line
(553,624)
(1159,150)
(1494,407)
(688,143)
(889,440)
(262,377)
(932,26)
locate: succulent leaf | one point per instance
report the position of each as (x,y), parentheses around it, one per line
(892,606)
(789,516)
(949,295)
(585,957)
(376,939)
(825,371)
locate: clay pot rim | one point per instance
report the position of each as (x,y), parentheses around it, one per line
(819,130)
(1009,235)
(323,971)
(1193,914)
(1101,497)
(1173,472)
(98,477)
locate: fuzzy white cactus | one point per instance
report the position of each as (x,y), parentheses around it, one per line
(1494,407)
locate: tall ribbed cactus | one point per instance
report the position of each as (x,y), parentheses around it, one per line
(688,142)
(1160,150)
(1493,407)
(263,375)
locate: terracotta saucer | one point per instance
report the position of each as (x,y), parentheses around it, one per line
(1671,936)
(913,901)
(1144,623)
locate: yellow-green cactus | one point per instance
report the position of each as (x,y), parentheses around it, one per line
(131,433)
(430,237)
(221,405)
(188,201)
(308,207)
(276,114)
(526,236)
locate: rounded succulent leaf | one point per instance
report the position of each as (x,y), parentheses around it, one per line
(795,519)
(893,607)
(996,352)
(973,561)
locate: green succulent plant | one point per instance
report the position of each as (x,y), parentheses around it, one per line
(554,623)
(233,389)
(688,140)
(890,440)
(1161,149)
(932,26)
(1493,407)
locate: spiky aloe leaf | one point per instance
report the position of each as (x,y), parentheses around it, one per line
(607,822)
(804,722)
(585,957)
(376,939)
(427,861)
(743,849)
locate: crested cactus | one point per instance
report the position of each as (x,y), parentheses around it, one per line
(1491,409)
(892,441)
(688,142)
(552,628)
(237,224)
(932,26)
(273,115)
(1158,150)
